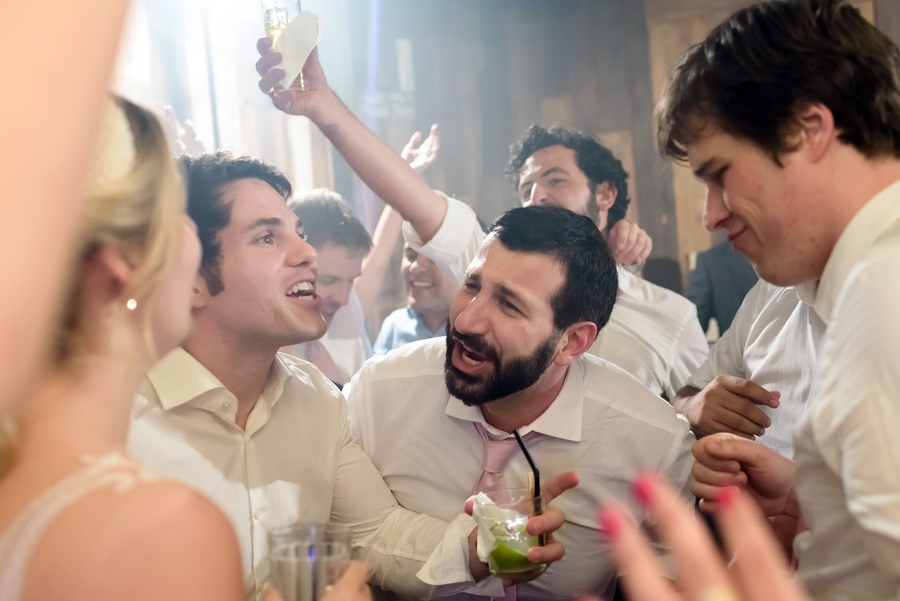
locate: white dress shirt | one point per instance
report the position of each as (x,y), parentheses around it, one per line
(604,425)
(296,461)
(773,341)
(848,448)
(345,340)
(653,333)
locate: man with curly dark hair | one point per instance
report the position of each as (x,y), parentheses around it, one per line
(653,333)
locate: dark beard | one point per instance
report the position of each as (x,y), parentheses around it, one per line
(507,378)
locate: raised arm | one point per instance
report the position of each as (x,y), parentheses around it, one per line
(376,163)
(46,149)
(420,155)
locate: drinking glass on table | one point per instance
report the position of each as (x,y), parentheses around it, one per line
(306,559)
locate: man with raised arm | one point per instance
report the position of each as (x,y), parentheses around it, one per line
(653,333)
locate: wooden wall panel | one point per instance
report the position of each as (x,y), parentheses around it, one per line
(485,70)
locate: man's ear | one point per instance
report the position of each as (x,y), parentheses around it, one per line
(200,296)
(816,131)
(577,339)
(605,195)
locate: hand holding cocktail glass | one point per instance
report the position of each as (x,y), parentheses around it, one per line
(515,526)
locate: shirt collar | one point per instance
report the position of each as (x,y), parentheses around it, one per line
(877,216)
(562,419)
(179,378)
(629,284)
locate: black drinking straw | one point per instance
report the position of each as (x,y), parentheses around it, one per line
(534,470)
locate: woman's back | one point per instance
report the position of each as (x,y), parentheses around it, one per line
(111,531)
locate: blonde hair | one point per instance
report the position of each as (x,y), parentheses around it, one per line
(135,202)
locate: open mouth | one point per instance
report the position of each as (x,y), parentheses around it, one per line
(421,284)
(470,356)
(302,290)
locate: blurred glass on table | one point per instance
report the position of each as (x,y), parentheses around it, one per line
(307,559)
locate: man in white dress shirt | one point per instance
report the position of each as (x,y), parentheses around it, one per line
(540,288)
(341,242)
(757,378)
(266,435)
(789,112)
(653,333)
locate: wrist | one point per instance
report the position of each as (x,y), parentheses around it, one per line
(477,568)
(328,112)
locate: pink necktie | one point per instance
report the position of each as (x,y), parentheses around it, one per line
(319,356)
(496,456)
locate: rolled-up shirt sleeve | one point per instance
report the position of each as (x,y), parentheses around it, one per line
(454,245)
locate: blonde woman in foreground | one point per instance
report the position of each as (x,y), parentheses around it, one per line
(79,519)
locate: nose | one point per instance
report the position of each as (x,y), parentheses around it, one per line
(301,253)
(715,211)
(421,264)
(536,196)
(342,293)
(472,319)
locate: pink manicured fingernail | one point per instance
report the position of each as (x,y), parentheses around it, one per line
(611,522)
(644,489)
(726,496)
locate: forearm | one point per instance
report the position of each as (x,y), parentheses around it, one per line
(387,231)
(380,167)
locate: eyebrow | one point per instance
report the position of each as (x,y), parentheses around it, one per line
(703,170)
(512,295)
(545,174)
(270,222)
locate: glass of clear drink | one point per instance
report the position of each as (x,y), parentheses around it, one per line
(306,559)
(505,513)
(277,14)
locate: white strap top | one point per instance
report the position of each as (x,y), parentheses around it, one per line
(18,542)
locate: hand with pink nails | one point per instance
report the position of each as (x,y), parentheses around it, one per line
(754,571)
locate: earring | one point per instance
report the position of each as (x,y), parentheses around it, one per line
(131,304)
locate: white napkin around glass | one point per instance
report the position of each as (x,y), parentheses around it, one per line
(487,514)
(296,42)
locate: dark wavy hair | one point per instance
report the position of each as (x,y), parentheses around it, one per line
(755,70)
(591,281)
(206,177)
(595,160)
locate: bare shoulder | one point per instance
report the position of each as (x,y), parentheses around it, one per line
(157,540)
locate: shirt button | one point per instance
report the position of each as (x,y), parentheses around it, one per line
(257,514)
